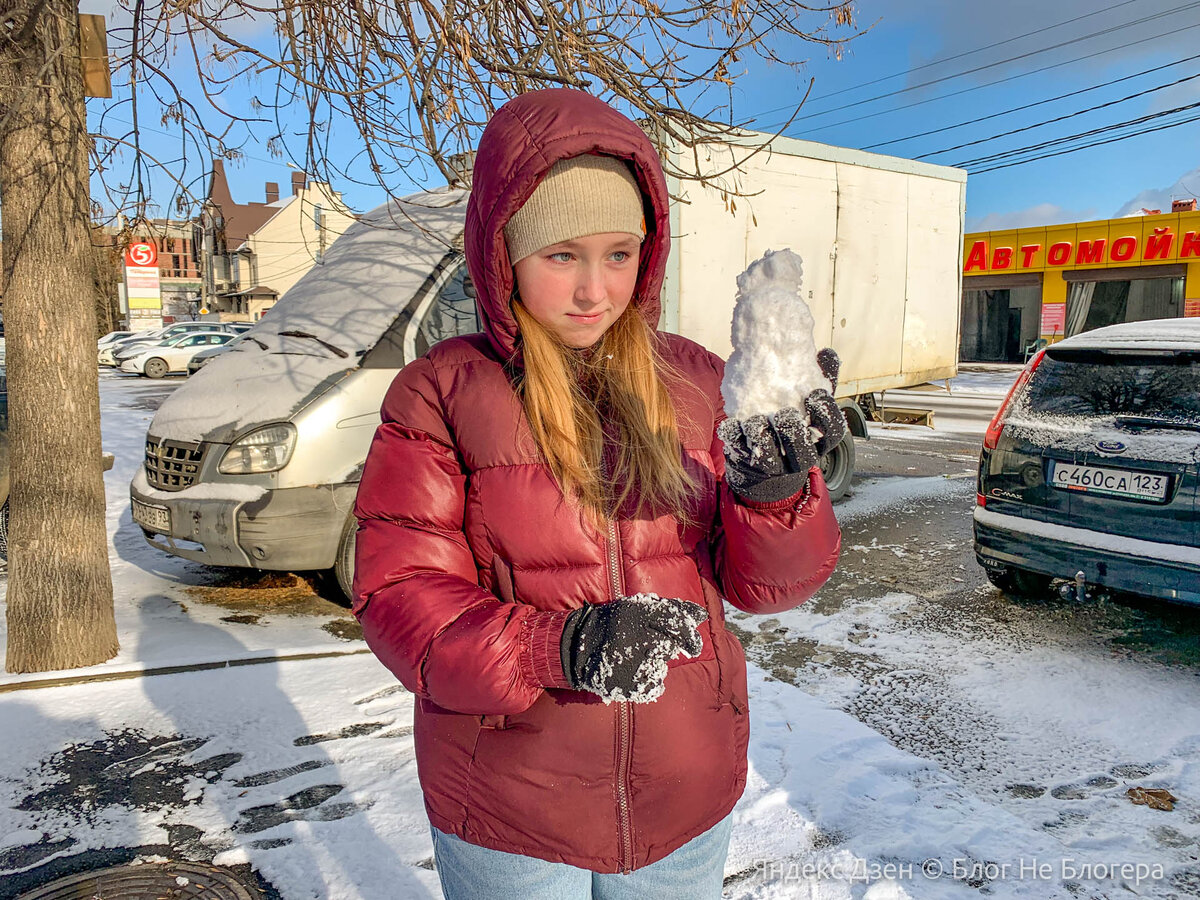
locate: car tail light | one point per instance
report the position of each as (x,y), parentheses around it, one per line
(992,437)
(980,500)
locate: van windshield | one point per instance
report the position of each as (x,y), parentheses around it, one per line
(1146,386)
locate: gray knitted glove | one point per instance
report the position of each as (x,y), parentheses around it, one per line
(620,650)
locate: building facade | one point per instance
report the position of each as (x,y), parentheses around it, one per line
(1033,286)
(253,252)
(177,260)
(178,267)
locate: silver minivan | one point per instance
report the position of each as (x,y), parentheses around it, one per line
(255,460)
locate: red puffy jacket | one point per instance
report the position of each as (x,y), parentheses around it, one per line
(468,561)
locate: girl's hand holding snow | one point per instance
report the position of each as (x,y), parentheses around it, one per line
(768,459)
(620,650)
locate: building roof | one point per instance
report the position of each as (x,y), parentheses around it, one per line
(241,219)
(257,289)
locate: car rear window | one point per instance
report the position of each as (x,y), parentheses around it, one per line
(1084,384)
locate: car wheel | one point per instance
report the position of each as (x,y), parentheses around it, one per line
(837,467)
(156,368)
(340,579)
(1020,582)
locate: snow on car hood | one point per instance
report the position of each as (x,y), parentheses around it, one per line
(320,329)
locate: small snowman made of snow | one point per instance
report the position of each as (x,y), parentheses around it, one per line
(777,388)
(774,360)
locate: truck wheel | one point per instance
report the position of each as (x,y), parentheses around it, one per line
(838,467)
(1020,582)
(156,368)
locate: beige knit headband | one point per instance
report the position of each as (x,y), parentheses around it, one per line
(579,196)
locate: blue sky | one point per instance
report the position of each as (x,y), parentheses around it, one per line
(910,43)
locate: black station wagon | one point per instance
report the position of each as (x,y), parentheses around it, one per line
(1091,468)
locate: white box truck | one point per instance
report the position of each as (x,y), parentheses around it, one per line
(255,461)
(881,241)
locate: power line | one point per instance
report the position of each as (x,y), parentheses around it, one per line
(1015,109)
(938,62)
(1123,137)
(993,157)
(1169,33)
(1062,118)
(992,65)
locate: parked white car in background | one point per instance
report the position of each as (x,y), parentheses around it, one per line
(105,355)
(112,337)
(110,354)
(106,346)
(157,361)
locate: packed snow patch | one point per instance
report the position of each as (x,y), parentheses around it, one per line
(774,360)
(311,779)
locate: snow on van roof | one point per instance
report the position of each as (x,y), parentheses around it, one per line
(343,305)
(1157,334)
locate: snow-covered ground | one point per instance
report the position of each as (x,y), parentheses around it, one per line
(993,379)
(965,406)
(158,622)
(309,776)
(303,767)
(1055,735)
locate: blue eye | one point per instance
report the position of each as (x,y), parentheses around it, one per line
(563,256)
(621,255)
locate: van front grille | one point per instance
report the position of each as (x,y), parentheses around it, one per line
(172,465)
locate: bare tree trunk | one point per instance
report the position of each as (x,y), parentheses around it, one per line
(105,259)
(60,600)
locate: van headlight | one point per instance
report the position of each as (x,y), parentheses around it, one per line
(265,450)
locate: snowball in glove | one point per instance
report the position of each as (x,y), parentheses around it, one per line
(774,363)
(620,650)
(767,459)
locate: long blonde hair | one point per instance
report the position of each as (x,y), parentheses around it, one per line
(570,396)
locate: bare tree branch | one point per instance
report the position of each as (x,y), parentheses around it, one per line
(413,82)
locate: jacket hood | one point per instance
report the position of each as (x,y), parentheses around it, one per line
(525,137)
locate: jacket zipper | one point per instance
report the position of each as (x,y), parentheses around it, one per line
(624,714)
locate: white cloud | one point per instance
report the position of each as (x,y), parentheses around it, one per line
(1042,214)
(1187,187)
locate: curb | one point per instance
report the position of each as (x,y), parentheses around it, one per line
(95,677)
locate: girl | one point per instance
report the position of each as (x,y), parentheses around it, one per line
(548,522)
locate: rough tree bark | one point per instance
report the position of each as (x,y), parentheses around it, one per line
(60,600)
(106,263)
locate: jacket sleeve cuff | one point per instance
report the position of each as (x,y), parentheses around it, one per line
(540,651)
(795,501)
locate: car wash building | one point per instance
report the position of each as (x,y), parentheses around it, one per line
(1023,289)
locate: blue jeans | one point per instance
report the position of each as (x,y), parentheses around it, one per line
(693,872)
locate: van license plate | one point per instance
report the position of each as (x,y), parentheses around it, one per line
(152,518)
(1113,482)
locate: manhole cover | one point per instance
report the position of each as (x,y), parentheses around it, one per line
(149,881)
